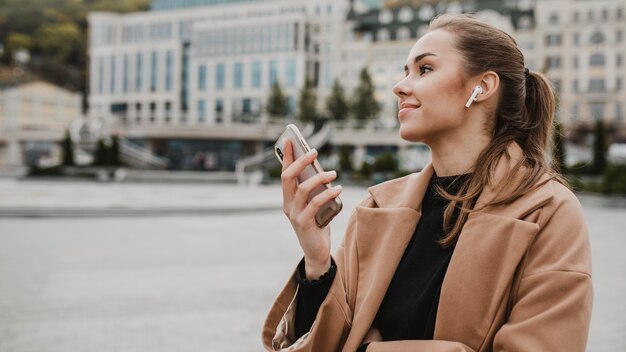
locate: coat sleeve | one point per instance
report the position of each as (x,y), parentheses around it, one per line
(334,318)
(551,307)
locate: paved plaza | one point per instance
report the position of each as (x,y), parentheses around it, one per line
(194,267)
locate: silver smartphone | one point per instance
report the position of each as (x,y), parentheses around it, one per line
(300,147)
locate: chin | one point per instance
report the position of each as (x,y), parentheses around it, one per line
(410,134)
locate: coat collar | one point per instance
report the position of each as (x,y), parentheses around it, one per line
(409,191)
(490,246)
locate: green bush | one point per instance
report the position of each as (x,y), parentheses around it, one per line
(614,179)
(366,170)
(386,162)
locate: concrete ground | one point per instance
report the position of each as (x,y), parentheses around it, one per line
(156,279)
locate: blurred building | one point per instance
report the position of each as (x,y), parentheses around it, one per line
(381,38)
(209,62)
(581,47)
(34,117)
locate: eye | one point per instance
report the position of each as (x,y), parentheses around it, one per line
(424,69)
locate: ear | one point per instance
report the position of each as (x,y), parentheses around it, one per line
(490,82)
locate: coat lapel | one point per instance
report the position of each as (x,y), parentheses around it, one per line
(490,247)
(382,235)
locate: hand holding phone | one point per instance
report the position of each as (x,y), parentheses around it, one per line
(308,200)
(300,148)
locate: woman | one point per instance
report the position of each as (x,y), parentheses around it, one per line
(483,250)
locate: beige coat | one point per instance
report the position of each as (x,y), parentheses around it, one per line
(519,278)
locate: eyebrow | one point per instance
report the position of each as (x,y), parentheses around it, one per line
(418,58)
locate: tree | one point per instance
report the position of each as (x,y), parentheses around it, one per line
(599,148)
(336,103)
(307,105)
(559,148)
(59,40)
(364,105)
(277,102)
(114,151)
(68,150)
(345,160)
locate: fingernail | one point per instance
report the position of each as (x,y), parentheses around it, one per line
(311,152)
(331,173)
(337,188)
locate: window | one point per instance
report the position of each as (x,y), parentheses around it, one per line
(575,111)
(201,110)
(597,110)
(590,15)
(112,74)
(168,111)
(553,39)
(152,112)
(575,85)
(597,59)
(618,60)
(169,58)
(382,35)
(403,33)
(100,75)
(202,77)
(554,18)
(219,76)
(605,14)
(597,38)
(619,13)
(291,73)
(576,38)
(553,62)
(406,14)
(576,16)
(273,72)
(618,112)
(597,85)
(618,84)
(125,78)
(238,75)
(138,72)
(619,36)
(219,110)
(153,71)
(556,85)
(575,62)
(256,74)
(138,112)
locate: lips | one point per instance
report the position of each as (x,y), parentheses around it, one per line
(406,108)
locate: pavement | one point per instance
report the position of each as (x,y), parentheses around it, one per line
(112,272)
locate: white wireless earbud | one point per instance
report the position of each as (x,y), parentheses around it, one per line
(477,90)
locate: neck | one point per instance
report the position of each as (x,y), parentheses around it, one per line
(456,156)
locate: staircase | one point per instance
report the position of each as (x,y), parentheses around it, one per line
(249,169)
(139,157)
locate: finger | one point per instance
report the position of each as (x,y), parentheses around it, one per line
(318,201)
(287,154)
(289,182)
(306,187)
(297,166)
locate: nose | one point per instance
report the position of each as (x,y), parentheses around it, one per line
(401,89)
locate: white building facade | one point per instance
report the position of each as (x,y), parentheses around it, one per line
(581,47)
(212,64)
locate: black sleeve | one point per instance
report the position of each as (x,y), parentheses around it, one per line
(363,347)
(310,296)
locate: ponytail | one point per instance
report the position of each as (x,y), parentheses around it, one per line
(524,115)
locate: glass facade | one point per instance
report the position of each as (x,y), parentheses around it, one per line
(219,76)
(273,72)
(169,62)
(161,5)
(126,77)
(201,110)
(238,76)
(112,74)
(202,77)
(138,72)
(291,73)
(256,74)
(100,75)
(153,71)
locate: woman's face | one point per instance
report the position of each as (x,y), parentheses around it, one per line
(432,95)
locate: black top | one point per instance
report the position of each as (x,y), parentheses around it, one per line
(409,308)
